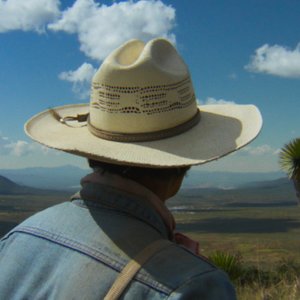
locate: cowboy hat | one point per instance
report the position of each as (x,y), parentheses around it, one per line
(143,112)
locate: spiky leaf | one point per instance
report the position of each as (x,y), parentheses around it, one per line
(289,159)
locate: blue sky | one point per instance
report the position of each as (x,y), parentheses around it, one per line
(237,51)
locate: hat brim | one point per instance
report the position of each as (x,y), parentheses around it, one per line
(221,130)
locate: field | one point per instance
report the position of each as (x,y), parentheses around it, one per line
(265,239)
(263,235)
(15,208)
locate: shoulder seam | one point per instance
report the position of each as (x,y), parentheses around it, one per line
(193,278)
(90,252)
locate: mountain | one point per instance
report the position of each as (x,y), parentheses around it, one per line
(225,180)
(263,193)
(68,177)
(8,187)
(58,178)
(200,188)
(280,182)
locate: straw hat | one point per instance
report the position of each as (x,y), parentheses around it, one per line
(143,112)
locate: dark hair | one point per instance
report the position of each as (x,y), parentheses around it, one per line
(135,172)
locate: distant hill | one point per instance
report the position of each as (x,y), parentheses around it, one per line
(58,178)
(8,187)
(49,181)
(265,193)
(280,182)
(68,177)
(197,178)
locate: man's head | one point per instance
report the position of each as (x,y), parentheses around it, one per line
(165,182)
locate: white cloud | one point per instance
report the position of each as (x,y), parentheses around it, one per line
(3,145)
(20,148)
(260,150)
(84,73)
(102,28)
(27,14)
(211,100)
(232,76)
(276,60)
(80,78)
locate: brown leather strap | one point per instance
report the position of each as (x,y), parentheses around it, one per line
(131,269)
(127,137)
(145,136)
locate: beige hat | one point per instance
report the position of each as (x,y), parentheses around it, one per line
(143,112)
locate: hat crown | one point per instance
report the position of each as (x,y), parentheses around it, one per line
(142,88)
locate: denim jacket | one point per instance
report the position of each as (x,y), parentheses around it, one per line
(76,249)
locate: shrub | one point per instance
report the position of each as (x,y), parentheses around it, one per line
(288,269)
(229,263)
(242,275)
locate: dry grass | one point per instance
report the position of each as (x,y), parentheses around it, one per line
(266,239)
(263,236)
(281,291)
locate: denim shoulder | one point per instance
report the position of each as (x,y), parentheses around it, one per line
(189,276)
(209,286)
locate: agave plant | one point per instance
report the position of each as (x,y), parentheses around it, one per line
(289,159)
(230,263)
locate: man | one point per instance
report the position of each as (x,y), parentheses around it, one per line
(115,239)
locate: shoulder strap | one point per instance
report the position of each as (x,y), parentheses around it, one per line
(133,267)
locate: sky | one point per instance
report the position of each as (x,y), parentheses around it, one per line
(237,51)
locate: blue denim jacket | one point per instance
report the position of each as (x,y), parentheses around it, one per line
(75,250)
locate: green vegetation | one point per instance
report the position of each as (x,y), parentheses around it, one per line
(230,263)
(16,208)
(289,159)
(262,235)
(276,291)
(282,281)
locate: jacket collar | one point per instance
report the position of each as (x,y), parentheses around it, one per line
(116,192)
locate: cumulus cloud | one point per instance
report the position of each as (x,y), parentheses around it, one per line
(27,15)
(19,148)
(260,150)
(84,73)
(211,100)
(102,28)
(276,60)
(3,142)
(80,79)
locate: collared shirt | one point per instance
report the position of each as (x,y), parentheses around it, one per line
(75,250)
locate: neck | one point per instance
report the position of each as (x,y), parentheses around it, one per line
(162,188)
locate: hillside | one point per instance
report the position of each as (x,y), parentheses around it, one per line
(197,178)
(68,177)
(58,178)
(211,188)
(8,187)
(265,193)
